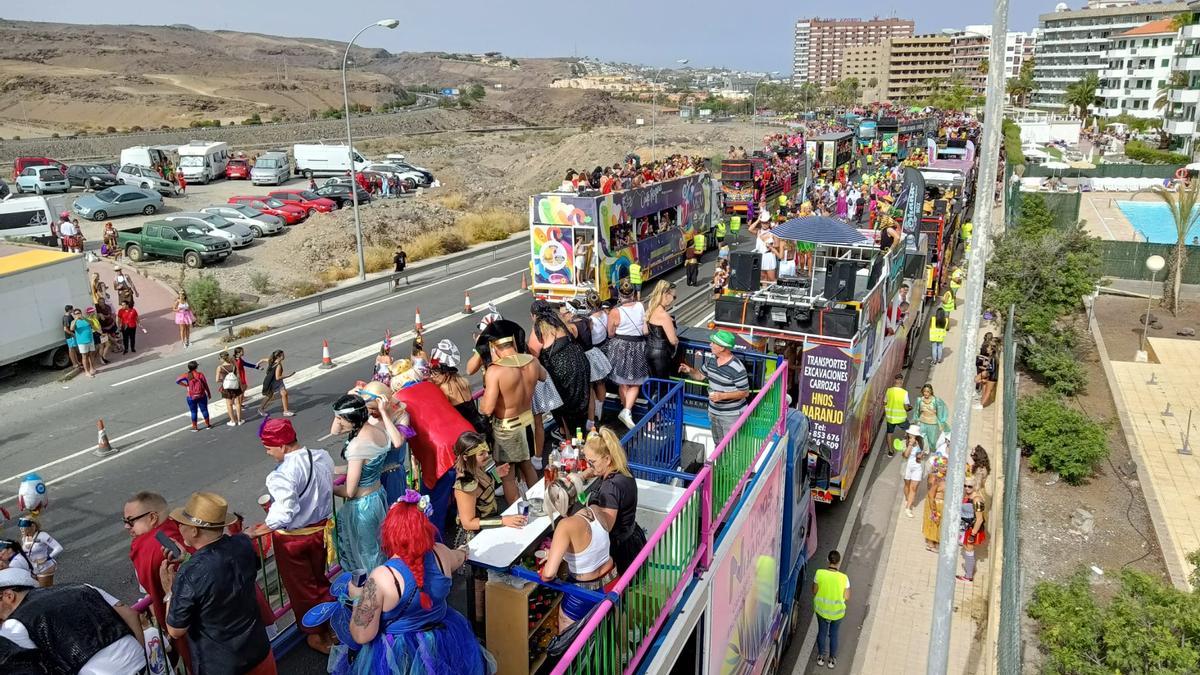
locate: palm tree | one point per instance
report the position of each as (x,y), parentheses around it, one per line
(1082,94)
(1020,87)
(983,66)
(1182,205)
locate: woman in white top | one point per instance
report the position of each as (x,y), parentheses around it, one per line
(581,541)
(765,244)
(41,550)
(626,349)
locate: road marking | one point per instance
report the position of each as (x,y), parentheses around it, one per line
(325,317)
(489,282)
(218,409)
(810,637)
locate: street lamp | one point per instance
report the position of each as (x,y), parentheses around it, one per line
(1154,263)
(358,233)
(754,113)
(654,103)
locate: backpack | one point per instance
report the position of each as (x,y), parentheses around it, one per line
(195,387)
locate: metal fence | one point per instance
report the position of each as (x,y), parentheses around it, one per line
(1127,260)
(1008,656)
(657,438)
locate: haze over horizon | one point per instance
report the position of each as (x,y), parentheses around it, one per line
(700,32)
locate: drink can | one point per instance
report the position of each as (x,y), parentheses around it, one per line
(523,508)
(265,502)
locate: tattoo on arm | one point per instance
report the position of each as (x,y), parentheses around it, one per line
(364,611)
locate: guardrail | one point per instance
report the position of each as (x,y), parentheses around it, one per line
(389,280)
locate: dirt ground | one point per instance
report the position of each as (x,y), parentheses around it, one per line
(1119,319)
(1123,535)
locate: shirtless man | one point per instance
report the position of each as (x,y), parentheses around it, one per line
(508,398)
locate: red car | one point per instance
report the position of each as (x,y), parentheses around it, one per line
(238,168)
(290,214)
(22,163)
(305,199)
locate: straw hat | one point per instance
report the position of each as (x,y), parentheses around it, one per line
(207,510)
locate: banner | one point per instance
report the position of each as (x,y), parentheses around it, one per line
(553,255)
(889,143)
(913,192)
(826,379)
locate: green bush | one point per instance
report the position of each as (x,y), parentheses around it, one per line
(209,301)
(1012,143)
(453,242)
(1144,153)
(252,120)
(261,282)
(1053,360)
(1059,438)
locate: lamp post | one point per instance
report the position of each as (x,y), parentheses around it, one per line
(358,233)
(1154,263)
(654,104)
(754,113)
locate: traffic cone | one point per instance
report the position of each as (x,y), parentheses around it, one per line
(418,326)
(467,302)
(103,447)
(524,283)
(326,362)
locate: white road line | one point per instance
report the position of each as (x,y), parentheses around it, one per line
(325,317)
(810,637)
(218,410)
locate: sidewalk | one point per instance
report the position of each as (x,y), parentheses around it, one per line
(895,636)
(154,304)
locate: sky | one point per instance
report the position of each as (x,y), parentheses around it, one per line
(656,33)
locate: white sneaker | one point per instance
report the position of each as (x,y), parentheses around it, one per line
(908,512)
(626,417)
(820,660)
(231,423)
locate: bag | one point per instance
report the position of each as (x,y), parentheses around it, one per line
(561,642)
(195,388)
(231,381)
(268,387)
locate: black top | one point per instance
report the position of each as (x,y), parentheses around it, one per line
(215,599)
(620,492)
(400,259)
(69,623)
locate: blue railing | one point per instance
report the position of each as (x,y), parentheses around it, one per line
(657,439)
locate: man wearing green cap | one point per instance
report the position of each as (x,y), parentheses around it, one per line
(728,384)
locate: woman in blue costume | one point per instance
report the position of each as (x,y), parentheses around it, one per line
(359,518)
(401,616)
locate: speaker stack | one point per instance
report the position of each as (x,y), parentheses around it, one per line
(745,271)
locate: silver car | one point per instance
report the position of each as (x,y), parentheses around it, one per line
(118,200)
(238,235)
(147,179)
(41,179)
(260,223)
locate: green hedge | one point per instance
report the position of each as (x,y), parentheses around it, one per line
(1143,153)
(1012,143)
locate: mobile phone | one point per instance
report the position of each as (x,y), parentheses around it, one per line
(171,546)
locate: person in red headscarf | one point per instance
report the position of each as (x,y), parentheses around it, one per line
(301,491)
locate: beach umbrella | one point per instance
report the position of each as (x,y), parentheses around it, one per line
(820,230)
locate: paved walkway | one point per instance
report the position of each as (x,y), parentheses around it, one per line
(895,636)
(154,302)
(1154,401)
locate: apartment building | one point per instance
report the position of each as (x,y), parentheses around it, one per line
(1137,64)
(1182,102)
(1018,47)
(867,64)
(901,67)
(819,43)
(1073,43)
(969,49)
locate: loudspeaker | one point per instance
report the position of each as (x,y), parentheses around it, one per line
(737,171)
(839,280)
(839,323)
(745,271)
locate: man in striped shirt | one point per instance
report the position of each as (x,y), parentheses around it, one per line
(728,384)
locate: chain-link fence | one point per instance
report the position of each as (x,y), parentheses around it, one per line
(1008,655)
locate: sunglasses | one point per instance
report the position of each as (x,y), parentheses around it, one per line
(130,521)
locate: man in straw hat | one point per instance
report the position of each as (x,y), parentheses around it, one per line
(213,599)
(72,628)
(508,386)
(301,503)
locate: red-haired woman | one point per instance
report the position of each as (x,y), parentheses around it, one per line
(401,617)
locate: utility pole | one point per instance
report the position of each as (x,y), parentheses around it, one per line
(989,156)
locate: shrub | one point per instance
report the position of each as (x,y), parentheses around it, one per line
(1012,143)
(110,130)
(452,242)
(252,120)
(136,128)
(1052,358)
(1144,153)
(209,301)
(455,201)
(423,246)
(261,282)
(1059,438)
(490,225)
(243,333)
(302,289)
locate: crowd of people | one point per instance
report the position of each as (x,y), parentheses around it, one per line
(630,174)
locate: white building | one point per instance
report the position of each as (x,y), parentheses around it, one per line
(1137,64)
(1072,43)
(1018,46)
(1180,120)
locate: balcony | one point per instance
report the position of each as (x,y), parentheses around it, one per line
(1180,127)
(1188,64)
(1191,32)
(1184,96)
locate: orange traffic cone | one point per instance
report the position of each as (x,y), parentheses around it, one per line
(418,326)
(326,362)
(103,447)
(467,302)
(524,283)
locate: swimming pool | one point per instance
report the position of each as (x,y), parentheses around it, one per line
(1155,223)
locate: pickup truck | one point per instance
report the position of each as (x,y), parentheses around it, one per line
(167,239)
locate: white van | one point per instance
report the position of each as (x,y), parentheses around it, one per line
(151,156)
(325,160)
(25,217)
(271,168)
(203,161)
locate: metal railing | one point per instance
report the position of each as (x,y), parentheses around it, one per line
(748,438)
(657,438)
(425,270)
(1008,648)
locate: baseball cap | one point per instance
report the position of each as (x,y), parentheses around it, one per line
(722,338)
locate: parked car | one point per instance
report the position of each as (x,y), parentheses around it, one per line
(42,179)
(4,191)
(290,214)
(340,193)
(176,240)
(22,163)
(260,223)
(238,169)
(119,200)
(147,179)
(238,235)
(90,176)
(409,178)
(305,199)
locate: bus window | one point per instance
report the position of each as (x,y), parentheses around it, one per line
(585,267)
(620,236)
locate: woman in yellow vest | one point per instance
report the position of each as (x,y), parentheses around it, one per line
(948,300)
(896,408)
(938,325)
(831,592)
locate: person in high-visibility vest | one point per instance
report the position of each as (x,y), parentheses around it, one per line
(720,233)
(956,278)
(965,233)
(700,243)
(783,200)
(831,592)
(896,408)
(938,325)
(635,278)
(735,226)
(948,301)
